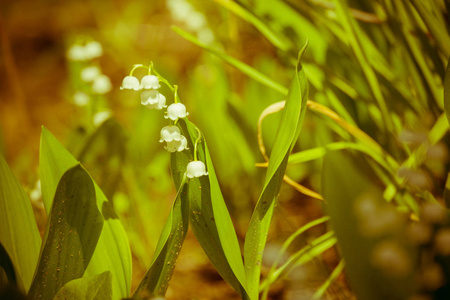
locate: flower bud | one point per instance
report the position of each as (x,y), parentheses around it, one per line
(101,85)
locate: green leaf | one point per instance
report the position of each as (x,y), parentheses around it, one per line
(113,251)
(367,228)
(7,272)
(104,152)
(209,217)
(98,287)
(74,228)
(19,234)
(447,91)
(287,134)
(156,280)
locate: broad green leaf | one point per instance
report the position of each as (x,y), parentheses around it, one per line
(288,131)
(74,228)
(244,68)
(447,91)
(209,217)
(19,234)
(156,280)
(104,154)
(113,251)
(367,228)
(94,287)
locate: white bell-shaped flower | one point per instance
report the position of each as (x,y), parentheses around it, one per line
(76,53)
(150,82)
(101,85)
(81,99)
(153,99)
(170,133)
(93,49)
(175,111)
(196,169)
(177,145)
(130,83)
(90,73)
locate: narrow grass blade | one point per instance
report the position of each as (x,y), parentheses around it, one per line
(319,152)
(113,251)
(284,248)
(304,255)
(447,91)
(323,288)
(95,287)
(244,68)
(367,227)
(276,39)
(288,131)
(74,228)
(19,234)
(209,217)
(156,280)
(353,32)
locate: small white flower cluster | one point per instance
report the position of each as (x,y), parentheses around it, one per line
(195,21)
(150,97)
(171,134)
(101,84)
(97,83)
(85,52)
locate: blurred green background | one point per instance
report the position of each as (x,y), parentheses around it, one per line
(380,65)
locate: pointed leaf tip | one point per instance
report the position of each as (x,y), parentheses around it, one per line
(300,55)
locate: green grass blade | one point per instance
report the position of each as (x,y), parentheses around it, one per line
(113,251)
(19,234)
(284,248)
(74,228)
(336,272)
(156,280)
(319,152)
(276,39)
(209,217)
(304,255)
(288,131)
(366,227)
(431,20)
(354,36)
(447,91)
(95,287)
(244,68)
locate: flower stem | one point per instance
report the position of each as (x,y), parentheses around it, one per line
(199,137)
(175,93)
(135,67)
